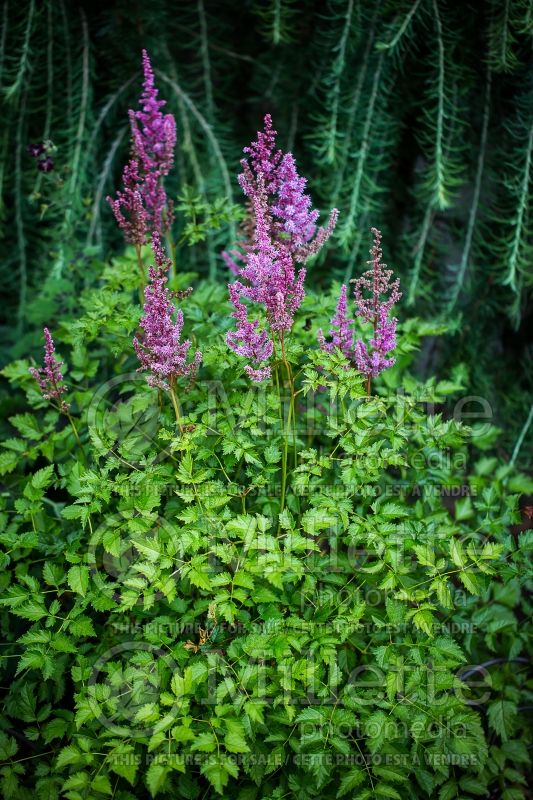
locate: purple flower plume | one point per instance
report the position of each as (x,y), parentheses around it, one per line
(372,362)
(377,283)
(262,159)
(142,205)
(285,233)
(154,133)
(271,281)
(159,348)
(381,294)
(247,341)
(341,331)
(128,206)
(269,271)
(50,377)
(292,220)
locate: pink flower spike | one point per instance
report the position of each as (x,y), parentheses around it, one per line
(262,160)
(373,358)
(292,219)
(341,331)
(292,207)
(247,341)
(154,133)
(142,205)
(375,308)
(50,377)
(377,281)
(128,206)
(159,348)
(285,234)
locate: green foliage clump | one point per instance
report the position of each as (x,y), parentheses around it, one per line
(294,590)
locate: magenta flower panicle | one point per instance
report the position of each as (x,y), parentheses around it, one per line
(341,331)
(285,233)
(377,281)
(375,293)
(262,160)
(247,341)
(49,377)
(292,220)
(128,206)
(271,281)
(154,133)
(159,348)
(142,206)
(383,293)
(371,362)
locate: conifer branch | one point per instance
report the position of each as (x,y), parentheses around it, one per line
(23,66)
(474,208)
(392,43)
(513,264)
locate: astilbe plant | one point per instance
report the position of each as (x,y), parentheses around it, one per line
(219,639)
(50,380)
(49,377)
(316,653)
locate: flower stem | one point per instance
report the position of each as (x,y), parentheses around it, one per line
(63,407)
(176,405)
(141,271)
(76,434)
(284,469)
(290,426)
(172,248)
(292,410)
